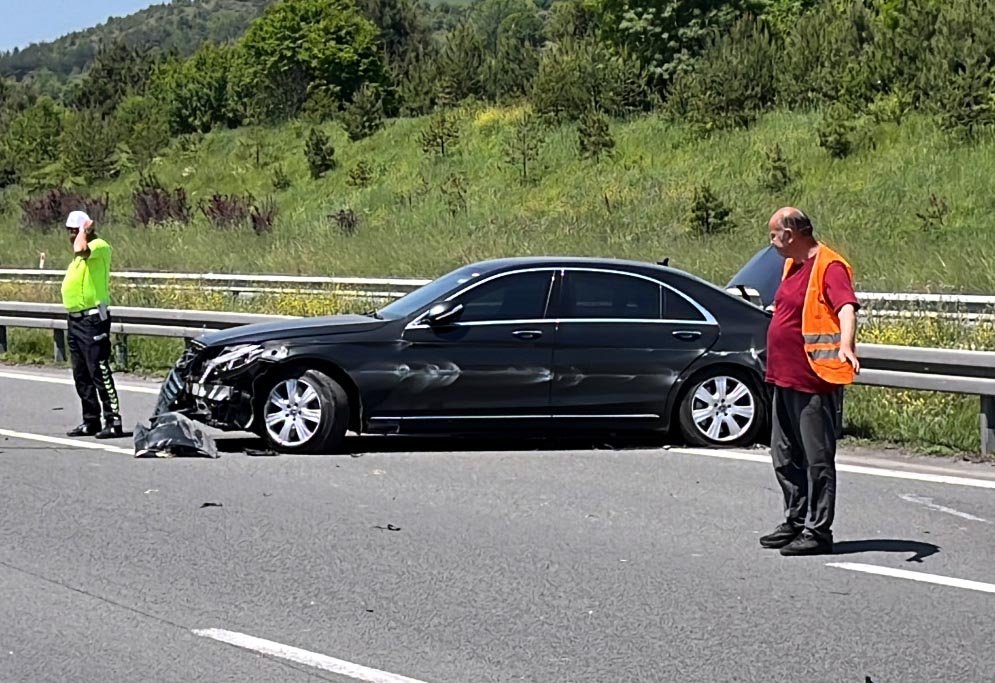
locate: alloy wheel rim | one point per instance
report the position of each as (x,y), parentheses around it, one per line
(293,412)
(723,408)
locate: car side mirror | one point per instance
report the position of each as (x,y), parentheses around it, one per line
(444,313)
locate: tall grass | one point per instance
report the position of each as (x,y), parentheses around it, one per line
(633,205)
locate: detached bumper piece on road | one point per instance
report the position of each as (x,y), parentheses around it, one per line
(174,435)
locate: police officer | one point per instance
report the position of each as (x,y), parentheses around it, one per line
(85,294)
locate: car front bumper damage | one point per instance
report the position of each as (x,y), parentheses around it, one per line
(215,387)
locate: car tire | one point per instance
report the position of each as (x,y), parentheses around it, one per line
(722,408)
(303,411)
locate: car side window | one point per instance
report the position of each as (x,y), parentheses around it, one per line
(521,296)
(676,307)
(610,296)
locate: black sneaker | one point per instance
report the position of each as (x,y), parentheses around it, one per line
(85,429)
(111,432)
(781,536)
(810,543)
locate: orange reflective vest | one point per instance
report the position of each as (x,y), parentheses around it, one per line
(820,324)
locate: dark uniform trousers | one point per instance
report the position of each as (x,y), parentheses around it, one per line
(90,351)
(803,448)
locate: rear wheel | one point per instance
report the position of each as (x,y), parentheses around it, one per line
(304,411)
(722,407)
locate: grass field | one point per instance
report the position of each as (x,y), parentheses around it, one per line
(634,205)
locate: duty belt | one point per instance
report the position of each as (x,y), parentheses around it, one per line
(99,310)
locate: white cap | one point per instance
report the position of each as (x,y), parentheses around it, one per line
(78,219)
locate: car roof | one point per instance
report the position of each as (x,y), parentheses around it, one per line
(566,262)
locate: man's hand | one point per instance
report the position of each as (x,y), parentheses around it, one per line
(848,332)
(847,355)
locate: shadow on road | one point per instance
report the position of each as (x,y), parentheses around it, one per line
(363,445)
(919,550)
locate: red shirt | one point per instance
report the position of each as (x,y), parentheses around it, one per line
(787,362)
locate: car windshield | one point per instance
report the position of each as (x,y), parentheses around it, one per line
(410,304)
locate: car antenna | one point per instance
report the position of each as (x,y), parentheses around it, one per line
(664,262)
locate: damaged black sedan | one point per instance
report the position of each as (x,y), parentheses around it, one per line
(503,346)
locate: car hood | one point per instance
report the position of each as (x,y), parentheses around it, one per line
(290,329)
(762,273)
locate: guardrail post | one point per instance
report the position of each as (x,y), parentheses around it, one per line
(59,336)
(988,425)
(121,351)
(3,339)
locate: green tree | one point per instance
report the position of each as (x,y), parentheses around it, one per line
(320,154)
(87,146)
(575,74)
(197,93)
(142,125)
(666,35)
(363,116)
(732,83)
(522,146)
(594,135)
(32,138)
(299,48)
(117,71)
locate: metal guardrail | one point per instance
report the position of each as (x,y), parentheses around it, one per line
(904,367)
(970,307)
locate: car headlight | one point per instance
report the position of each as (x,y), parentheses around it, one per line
(238,356)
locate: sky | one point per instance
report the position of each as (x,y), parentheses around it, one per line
(34,21)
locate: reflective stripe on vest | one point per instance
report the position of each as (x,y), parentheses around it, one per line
(820,324)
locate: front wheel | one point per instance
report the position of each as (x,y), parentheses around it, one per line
(304,411)
(722,407)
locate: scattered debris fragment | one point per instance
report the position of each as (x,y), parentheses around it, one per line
(211,505)
(389,527)
(174,435)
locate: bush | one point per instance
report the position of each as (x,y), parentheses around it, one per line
(837,131)
(441,134)
(320,154)
(155,205)
(707,214)
(363,116)
(226,211)
(361,174)
(142,125)
(777,174)
(51,208)
(263,218)
(281,181)
(594,136)
(347,221)
(932,220)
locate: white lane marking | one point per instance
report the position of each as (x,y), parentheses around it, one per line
(313,659)
(928,502)
(856,469)
(49,379)
(71,443)
(915,576)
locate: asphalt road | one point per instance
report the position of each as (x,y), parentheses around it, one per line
(472,561)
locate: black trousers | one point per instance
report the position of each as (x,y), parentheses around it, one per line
(90,351)
(803,448)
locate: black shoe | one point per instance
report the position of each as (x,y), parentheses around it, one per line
(810,543)
(781,536)
(85,429)
(111,432)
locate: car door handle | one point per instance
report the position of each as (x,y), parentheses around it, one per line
(527,334)
(687,335)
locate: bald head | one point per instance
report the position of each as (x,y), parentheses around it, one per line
(791,233)
(790,218)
